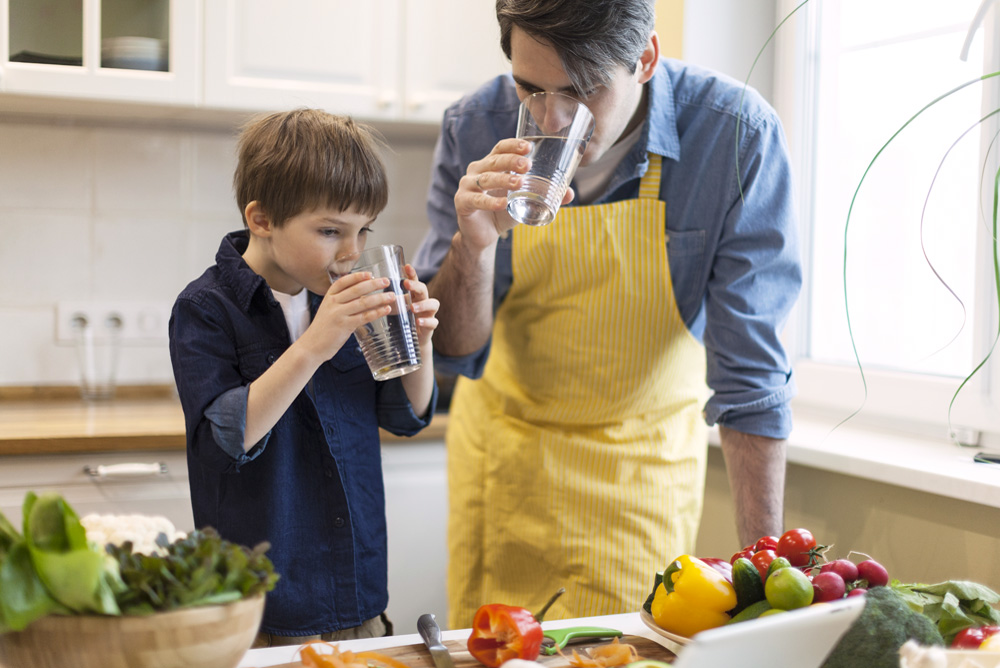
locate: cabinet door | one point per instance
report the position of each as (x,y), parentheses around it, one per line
(452,47)
(101,49)
(339,55)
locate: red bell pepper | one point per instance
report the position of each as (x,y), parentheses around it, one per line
(502,632)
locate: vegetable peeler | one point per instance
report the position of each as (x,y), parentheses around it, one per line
(555,639)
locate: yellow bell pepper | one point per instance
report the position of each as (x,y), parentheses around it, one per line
(696,598)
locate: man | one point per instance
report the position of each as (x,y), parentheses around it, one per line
(577,458)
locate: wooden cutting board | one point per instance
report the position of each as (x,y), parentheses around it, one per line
(417,656)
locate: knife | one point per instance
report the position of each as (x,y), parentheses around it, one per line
(431,633)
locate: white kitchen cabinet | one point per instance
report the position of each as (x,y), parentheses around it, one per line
(416,510)
(149,483)
(379,59)
(53,48)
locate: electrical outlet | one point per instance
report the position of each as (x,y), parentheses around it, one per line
(135,322)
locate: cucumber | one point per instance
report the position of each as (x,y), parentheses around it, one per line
(747,583)
(752,611)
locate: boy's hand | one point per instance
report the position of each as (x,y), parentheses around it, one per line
(425,307)
(353,300)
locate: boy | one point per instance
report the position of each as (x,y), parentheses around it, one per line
(282,413)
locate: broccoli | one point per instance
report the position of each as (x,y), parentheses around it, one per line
(873,641)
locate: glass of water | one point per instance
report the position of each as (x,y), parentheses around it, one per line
(558,127)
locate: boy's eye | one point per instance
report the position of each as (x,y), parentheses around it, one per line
(364,230)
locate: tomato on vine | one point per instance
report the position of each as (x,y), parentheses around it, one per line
(797,545)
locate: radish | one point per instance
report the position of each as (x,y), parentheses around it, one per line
(873,572)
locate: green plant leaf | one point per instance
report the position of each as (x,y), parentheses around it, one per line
(23,597)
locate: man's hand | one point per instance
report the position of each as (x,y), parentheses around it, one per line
(481,200)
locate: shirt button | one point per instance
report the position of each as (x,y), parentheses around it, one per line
(271,357)
(328,473)
(339,522)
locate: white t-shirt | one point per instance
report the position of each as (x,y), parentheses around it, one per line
(296,310)
(591,180)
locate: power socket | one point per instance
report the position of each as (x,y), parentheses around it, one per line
(136,322)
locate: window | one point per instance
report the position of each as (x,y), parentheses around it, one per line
(860,70)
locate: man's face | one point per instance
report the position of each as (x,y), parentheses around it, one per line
(536,67)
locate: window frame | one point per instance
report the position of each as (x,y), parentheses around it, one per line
(908,402)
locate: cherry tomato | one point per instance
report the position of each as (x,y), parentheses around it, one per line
(973,637)
(796,545)
(746,553)
(762,560)
(766,543)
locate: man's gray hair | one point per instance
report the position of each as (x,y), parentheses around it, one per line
(592,37)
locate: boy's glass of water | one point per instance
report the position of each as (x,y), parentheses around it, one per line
(389,343)
(558,127)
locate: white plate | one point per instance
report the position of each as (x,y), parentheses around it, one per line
(647,619)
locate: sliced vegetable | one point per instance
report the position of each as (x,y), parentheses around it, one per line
(502,632)
(318,654)
(611,654)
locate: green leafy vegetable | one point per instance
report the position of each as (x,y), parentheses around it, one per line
(76,575)
(952,605)
(53,569)
(201,569)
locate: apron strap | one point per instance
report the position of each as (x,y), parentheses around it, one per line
(649,186)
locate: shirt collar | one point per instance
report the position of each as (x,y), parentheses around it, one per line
(661,116)
(237,273)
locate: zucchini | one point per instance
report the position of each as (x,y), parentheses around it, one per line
(747,583)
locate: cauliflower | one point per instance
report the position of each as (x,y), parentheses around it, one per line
(141,530)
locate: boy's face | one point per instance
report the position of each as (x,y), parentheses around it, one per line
(314,248)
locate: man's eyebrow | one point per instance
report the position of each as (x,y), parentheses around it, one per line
(527,85)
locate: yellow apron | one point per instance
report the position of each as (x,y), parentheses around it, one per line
(578,459)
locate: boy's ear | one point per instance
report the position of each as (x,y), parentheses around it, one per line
(257,220)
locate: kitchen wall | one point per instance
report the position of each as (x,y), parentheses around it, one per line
(130,211)
(917,536)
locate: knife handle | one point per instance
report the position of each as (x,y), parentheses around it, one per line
(429,630)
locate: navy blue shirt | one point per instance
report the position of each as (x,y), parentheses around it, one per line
(731,241)
(312,486)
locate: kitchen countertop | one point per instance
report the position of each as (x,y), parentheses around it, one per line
(33,426)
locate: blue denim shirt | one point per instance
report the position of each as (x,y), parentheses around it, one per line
(734,260)
(312,486)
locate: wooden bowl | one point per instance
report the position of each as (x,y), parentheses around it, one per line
(214,636)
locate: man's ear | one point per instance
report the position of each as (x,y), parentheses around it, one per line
(649,58)
(257,220)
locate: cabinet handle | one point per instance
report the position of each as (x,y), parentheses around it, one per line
(102,472)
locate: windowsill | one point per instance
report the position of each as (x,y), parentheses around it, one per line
(936,466)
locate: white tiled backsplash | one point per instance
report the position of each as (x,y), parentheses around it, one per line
(92,211)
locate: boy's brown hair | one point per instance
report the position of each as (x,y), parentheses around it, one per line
(300,160)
